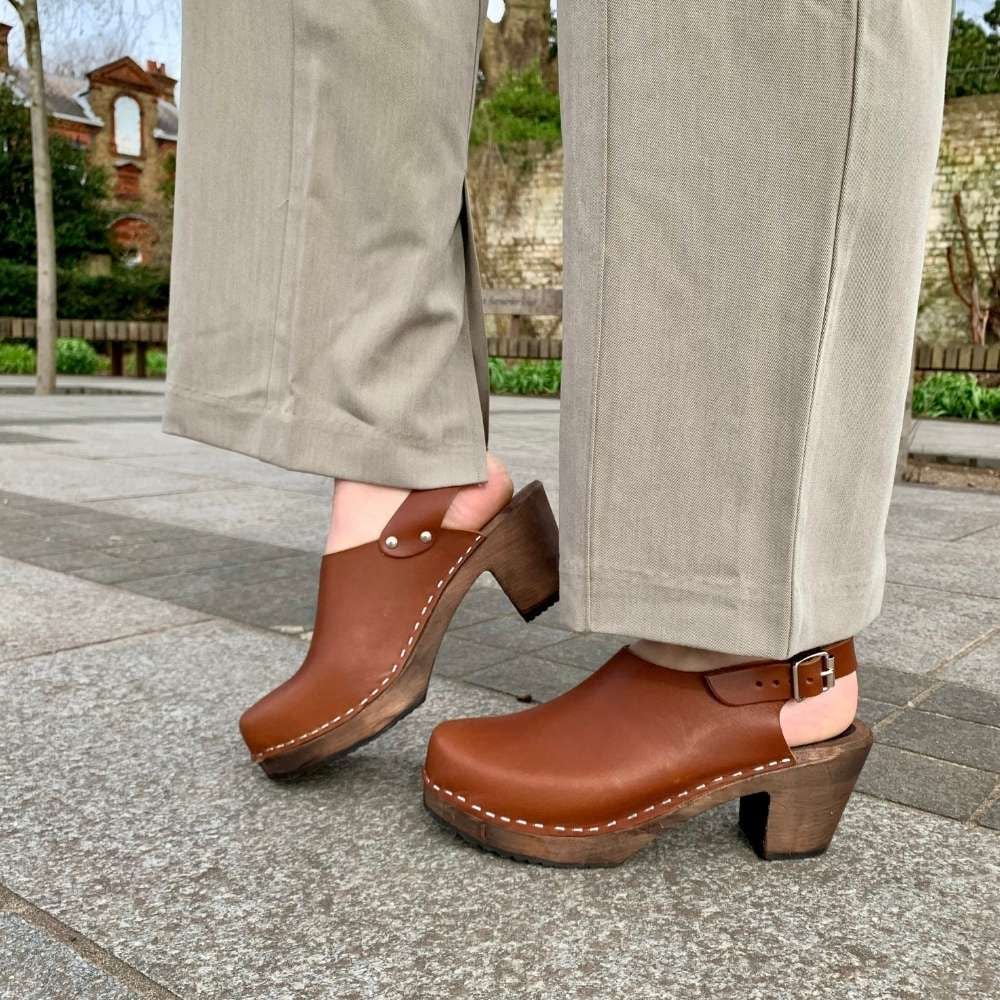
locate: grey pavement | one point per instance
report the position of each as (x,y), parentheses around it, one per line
(959,441)
(153,587)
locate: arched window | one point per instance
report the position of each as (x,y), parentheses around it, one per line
(128,126)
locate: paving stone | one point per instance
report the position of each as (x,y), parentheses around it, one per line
(935,786)
(587,651)
(527,678)
(513,633)
(34,504)
(75,480)
(21,437)
(923,512)
(72,560)
(873,711)
(45,611)
(961,702)
(980,668)
(140,822)
(932,735)
(265,607)
(991,817)
(886,684)
(481,604)
(34,966)
(256,513)
(920,628)
(459,657)
(957,567)
(236,468)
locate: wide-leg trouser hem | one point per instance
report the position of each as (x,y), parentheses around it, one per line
(359,453)
(705,614)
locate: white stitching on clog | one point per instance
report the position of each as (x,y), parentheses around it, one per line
(614,822)
(382,684)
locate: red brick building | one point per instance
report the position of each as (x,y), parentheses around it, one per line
(126,117)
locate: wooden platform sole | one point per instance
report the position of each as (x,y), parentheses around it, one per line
(520,547)
(790,812)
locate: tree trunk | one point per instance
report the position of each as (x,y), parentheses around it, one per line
(44,219)
(518,42)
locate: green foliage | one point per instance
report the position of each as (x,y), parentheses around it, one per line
(955,394)
(156,363)
(127,293)
(75,357)
(16,359)
(79,192)
(974,55)
(525,378)
(522,109)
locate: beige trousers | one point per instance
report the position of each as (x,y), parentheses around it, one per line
(747,186)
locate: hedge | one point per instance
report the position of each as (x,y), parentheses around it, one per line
(139,293)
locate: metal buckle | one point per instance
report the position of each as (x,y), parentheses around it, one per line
(827,673)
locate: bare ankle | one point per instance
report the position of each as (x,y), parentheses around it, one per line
(361,510)
(476,504)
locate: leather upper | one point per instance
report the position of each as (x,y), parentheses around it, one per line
(371,608)
(630,741)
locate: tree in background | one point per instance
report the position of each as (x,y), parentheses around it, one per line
(79,193)
(974,55)
(45,231)
(524,38)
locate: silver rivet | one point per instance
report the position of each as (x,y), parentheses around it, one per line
(425,536)
(391,542)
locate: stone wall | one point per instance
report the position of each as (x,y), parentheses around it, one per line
(518,207)
(969,162)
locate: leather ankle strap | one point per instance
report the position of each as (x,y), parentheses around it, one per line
(416,523)
(803,676)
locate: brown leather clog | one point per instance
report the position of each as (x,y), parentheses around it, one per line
(595,775)
(382,610)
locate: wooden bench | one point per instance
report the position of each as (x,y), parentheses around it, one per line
(517,303)
(968,358)
(115,333)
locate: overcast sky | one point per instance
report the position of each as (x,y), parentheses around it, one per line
(161,37)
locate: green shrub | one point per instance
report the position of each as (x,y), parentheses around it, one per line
(139,293)
(522,109)
(16,359)
(156,363)
(525,378)
(75,357)
(955,394)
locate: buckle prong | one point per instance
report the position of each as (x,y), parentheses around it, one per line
(827,673)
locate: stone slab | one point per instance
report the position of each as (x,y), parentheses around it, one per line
(961,702)
(235,468)
(948,515)
(980,668)
(527,678)
(76,480)
(957,440)
(513,633)
(33,966)
(955,567)
(44,611)
(935,786)
(921,627)
(257,513)
(933,735)
(139,821)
